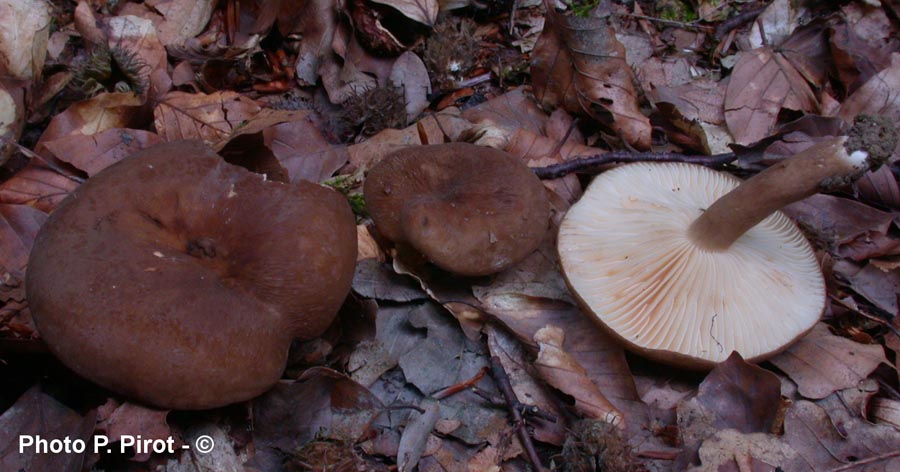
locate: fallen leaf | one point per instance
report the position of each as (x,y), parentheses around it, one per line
(877,286)
(213,118)
(222,457)
(88,117)
(563,372)
(184,19)
(24,33)
(38,414)
(741,396)
(422,11)
(886,411)
(821,363)
(528,389)
(732,451)
(409,73)
(415,435)
(879,188)
(374,279)
(115,420)
(19,225)
(846,227)
(879,95)
(91,154)
(810,432)
(12,116)
(776,23)
(762,84)
(578,64)
(302,150)
(38,186)
(333,407)
(315,22)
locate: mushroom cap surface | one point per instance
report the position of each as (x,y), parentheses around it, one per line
(626,255)
(177,279)
(471,210)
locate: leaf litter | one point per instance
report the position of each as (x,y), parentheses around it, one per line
(403,379)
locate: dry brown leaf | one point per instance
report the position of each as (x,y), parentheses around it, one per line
(38,414)
(731,451)
(302,150)
(741,396)
(887,411)
(762,84)
(422,11)
(12,116)
(103,112)
(511,111)
(334,407)
(184,19)
(822,363)
(855,58)
(415,435)
(822,445)
(879,287)
(879,95)
(24,33)
(527,388)
(880,187)
(369,152)
(851,229)
(38,186)
(115,419)
(91,154)
(315,21)
(776,23)
(562,371)
(19,225)
(409,73)
(87,24)
(213,118)
(578,64)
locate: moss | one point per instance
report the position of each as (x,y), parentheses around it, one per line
(676,10)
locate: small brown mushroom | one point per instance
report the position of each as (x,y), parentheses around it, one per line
(685,264)
(471,210)
(179,280)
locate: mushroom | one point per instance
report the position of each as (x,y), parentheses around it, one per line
(469,209)
(179,280)
(685,264)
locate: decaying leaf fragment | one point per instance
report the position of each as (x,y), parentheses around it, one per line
(763,82)
(562,371)
(578,64)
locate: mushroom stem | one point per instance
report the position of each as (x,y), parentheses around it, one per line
(827,165)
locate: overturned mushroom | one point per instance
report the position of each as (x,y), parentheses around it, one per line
(180,280)
(686,264)
(471,210)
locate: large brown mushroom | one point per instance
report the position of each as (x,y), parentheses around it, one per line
(685,264)
(179,280)
(472,210)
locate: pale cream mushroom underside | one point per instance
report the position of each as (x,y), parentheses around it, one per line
(627,255)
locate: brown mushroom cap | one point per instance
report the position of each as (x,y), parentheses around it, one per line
(471,210)
(626,253)
(180,280)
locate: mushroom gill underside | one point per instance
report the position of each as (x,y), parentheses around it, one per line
(626,254)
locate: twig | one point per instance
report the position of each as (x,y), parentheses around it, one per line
(587,164)
(506,388)
(527,411)
(737,21)
(677,24)
(454,389)
(870,460)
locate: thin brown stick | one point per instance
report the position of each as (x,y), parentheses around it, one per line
(736,22)
(505,386)
(590,164)
(454,389)
(870,460)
